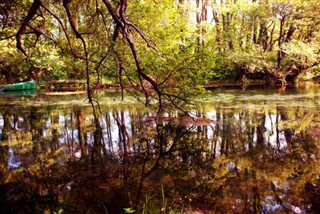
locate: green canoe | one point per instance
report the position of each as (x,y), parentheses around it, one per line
(19,86)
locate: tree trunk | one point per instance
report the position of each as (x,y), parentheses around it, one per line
(280,39)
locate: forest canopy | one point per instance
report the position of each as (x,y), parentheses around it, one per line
(164,48)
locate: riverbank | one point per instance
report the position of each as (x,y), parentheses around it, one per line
(80,85)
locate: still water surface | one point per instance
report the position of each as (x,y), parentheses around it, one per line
(257,151)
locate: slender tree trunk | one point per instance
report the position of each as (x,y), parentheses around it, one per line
(280,39)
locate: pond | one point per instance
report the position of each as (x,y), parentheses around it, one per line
(257,151)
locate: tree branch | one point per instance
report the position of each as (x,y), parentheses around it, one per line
(61,24)
(79,36)
(31,13)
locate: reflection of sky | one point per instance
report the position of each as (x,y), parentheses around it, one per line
(272,206)
(212,115)
(275,139)
(20,120)
(271,133)
(229,101)
(13,161)
(1,123)
(111,140)
(68,130)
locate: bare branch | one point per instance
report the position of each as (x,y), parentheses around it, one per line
(60,22)
(144,37)
(122,26)
(79,36)
(8,37)
(39,32)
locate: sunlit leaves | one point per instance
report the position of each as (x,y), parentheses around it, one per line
(49,62)
(220,171)
(303,120)
(21,140)
(301,54)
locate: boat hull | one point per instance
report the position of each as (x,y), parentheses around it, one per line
(19,86)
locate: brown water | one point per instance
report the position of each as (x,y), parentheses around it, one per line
(257,152)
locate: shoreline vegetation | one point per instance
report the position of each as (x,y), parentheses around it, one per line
(73,85)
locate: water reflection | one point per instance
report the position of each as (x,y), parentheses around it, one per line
(257,152)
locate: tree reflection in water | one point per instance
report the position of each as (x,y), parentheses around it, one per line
(241,160)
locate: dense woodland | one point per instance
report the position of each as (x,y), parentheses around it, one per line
(157,44)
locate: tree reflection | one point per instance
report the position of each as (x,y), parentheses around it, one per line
(239,161)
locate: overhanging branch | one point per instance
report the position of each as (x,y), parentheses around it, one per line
(31,13)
